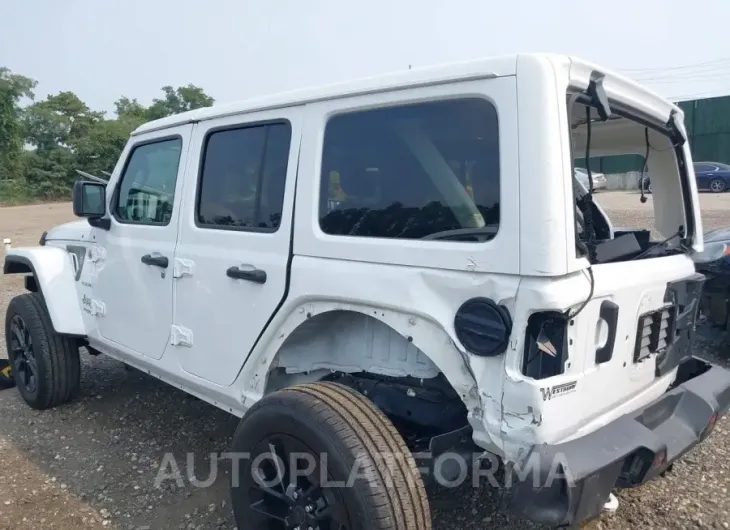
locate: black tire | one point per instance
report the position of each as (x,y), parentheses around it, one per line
(330,419)
(55,357)
(717,186)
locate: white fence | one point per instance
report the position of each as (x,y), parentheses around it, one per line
(623,181)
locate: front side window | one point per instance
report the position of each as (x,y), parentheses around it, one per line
(147,186)
(418,171)
(243,177)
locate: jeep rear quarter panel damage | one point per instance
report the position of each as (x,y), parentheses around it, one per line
(54,273)
(400,325)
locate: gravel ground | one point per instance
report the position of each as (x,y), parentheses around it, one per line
(92,463)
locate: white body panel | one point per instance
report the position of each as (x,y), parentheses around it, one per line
(500,255)
(208,302)
(386,306)
(137,297)
(54,271)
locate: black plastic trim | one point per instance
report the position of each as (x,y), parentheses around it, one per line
(31,284)
(155,261)
(103,223)
(483,327)
(22,265)
(42,240)
(668,427)
(255,275)
(17,265)
(685,295)
(609,313)
(598,95)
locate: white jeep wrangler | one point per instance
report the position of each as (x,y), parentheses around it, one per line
(398,265)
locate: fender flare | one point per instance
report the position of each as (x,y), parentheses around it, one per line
(54,276)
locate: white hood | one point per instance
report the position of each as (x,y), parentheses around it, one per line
(73,231)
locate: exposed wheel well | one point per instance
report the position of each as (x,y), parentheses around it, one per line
(367,355)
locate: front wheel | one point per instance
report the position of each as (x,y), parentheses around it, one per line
(717,185)
(44,364)
(321,456)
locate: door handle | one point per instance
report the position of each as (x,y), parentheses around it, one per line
(157,261)
(253,275)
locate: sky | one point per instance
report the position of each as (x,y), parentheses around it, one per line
(234,49)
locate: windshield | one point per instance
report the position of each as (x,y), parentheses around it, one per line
(635,160)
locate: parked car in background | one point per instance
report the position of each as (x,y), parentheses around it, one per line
(710,176)
(599,179)
(714,263)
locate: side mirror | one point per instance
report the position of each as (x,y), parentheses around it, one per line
(89,200)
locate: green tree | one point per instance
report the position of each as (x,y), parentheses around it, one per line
(61,120)
(13,88)
(99,150)
(178,100)
(49,174)
(130,109)
(42,144)
(58,128)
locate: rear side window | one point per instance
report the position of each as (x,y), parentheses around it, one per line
(243,177)
(147,186)
(426,170)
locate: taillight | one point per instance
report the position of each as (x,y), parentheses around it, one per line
(546,348)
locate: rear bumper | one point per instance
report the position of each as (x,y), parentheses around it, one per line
(568,483)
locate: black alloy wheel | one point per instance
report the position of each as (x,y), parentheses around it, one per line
(287,488)
(320,456)
(22,355)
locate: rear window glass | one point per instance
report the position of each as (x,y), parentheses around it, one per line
(426,170)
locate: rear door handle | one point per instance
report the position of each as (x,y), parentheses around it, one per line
(157,261)
(253,275)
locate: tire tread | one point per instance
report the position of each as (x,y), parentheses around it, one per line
(59,354)
(401,501)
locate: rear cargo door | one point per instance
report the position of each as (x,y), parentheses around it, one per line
(636,329)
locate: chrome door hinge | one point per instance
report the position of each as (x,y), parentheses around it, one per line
(97,253)
(180,336)
(182,267)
